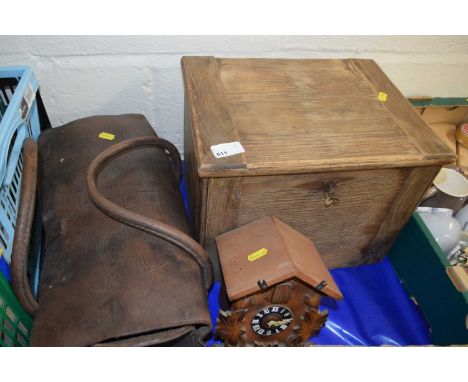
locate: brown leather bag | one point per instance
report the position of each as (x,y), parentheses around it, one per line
(119,266)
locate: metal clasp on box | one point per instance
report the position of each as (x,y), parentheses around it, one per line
(330,193)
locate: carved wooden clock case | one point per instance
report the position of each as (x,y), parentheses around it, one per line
(274,278)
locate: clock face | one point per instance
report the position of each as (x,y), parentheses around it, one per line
(271,320)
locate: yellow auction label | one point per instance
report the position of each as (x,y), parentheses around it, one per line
(382,96)
(257,254)
(108,136)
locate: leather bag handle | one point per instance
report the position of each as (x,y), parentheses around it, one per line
(154,227)
(24,221)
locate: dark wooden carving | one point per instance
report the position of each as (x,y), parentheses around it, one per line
(235,327)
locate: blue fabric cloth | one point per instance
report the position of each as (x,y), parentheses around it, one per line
(5,268)
(375,310)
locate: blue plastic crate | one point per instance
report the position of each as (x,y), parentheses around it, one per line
(19,118)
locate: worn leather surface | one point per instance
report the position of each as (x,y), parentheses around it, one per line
(23,229)
(103,281)
(154,227)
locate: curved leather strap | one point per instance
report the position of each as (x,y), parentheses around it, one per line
(157,228)
(24,221)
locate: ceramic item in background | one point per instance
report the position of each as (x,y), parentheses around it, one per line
(463,239)
(442,225)
(462,217)
(452,255)
(450,190)
(461,134)
(459,254)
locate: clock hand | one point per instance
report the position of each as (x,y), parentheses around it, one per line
(279,323)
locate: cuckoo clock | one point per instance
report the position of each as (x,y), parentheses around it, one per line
(274,278)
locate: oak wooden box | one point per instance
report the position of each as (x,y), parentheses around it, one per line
(332,148)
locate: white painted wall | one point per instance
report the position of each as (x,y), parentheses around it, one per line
(82,76)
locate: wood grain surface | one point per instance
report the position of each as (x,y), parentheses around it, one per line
(305,124)
(402,209)
(222,207)
(341,233)
(298,116)
(402,112)
(209,111)
(195,186)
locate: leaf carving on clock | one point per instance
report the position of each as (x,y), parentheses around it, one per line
(229,327)
(312,300)
(310,325)
(293,340)
(244,303)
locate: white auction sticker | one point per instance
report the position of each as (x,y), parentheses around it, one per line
(27,101)
(227,149)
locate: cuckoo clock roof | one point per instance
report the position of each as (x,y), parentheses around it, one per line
(271,251)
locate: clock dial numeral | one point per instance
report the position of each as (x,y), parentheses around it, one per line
(271,320)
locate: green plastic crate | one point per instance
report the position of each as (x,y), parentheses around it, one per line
(421,266)
(15,323)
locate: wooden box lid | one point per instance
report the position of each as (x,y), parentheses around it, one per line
(270,250)
(298,116)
